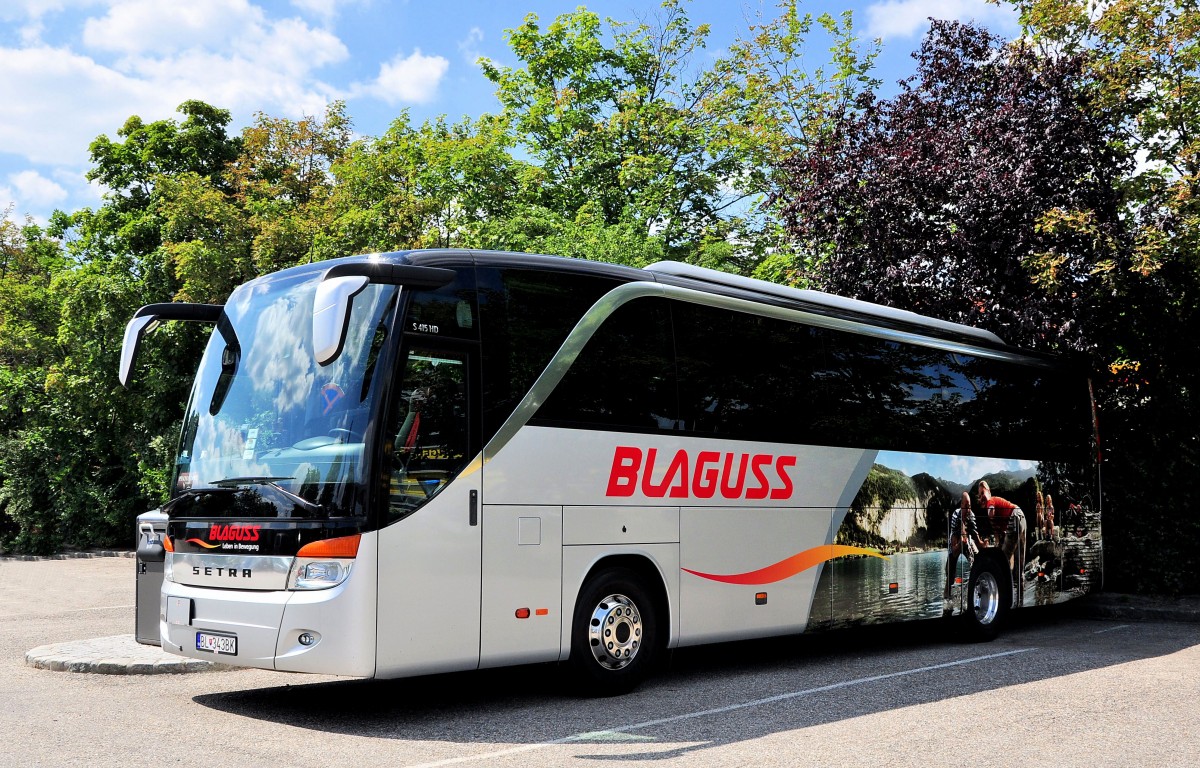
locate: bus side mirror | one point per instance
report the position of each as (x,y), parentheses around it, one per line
(331,315)
(135,329)
(148,318)
(345,280)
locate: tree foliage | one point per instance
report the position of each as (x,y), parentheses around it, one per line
(624,120)
(1143,66)
(1043,188)
(1040,188)
(949,199)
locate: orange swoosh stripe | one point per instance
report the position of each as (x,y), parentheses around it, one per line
(204,544)
(785,569)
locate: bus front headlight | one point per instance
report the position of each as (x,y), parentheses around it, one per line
(313,573)
(323,564)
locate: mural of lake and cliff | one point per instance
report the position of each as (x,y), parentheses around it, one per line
(903,511)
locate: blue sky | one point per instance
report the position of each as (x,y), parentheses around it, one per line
(963,470)
(73,69)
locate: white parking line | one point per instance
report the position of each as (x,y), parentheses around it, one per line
(609,733)
(1112,629)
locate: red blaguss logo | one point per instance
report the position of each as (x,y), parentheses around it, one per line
(233,532)
(707,475)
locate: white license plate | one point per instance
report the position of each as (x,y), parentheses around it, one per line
(206,641)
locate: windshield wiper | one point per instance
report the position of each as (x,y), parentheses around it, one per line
(233,482)
(269,480)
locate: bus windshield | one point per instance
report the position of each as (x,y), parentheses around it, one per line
(268,432)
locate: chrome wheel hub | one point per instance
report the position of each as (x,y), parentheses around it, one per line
(615,632)
(985,598)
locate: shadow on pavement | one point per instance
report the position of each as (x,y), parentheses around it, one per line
(809,680)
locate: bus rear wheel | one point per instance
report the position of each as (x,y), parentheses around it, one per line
(989,598)
(614,635)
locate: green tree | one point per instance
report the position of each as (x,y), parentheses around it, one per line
(1042,188)
(424,186)
(76,450)
(787,108)
(1143,62)
(283,180)
(618,116)
(583,236)
(28,326)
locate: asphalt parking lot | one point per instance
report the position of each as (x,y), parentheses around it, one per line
(1059,688)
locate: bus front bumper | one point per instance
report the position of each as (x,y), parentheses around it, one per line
(329,631)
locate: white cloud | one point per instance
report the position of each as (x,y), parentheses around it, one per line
(71,70)
(57,101)
(72,98)
(31,33)
(967,469)
(12,10)
(411,79)
(152,26)
(38,192)
(34,189)
(906,18)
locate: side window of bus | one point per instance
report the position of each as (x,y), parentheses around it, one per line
(1023,411)
(526,314)
(624,377)
(745,376)
(891,394)
(931,400)
(428,429)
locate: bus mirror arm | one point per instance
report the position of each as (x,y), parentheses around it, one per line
(149,317)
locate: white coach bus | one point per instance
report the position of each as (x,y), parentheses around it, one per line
(421,462)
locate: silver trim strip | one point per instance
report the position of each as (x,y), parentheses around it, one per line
(703,274)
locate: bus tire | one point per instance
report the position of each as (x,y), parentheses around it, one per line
(614,635)
(989,598)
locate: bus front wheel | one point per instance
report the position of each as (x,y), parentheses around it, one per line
(614,635)
(989,598)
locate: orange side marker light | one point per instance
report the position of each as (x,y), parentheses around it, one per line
(343,546)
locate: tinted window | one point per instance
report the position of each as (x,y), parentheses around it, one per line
(746,377)
(525,317)
(624,376)
(429,429)
(449,311)
(890,394)
(741,376)
(907,397)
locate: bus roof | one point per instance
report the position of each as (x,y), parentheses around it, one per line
(714,281)
(820,299)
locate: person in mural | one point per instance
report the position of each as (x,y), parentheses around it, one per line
(1049,518)
(964,540)
(1040,514)
(1008,525)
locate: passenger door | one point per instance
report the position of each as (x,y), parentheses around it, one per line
(429,557)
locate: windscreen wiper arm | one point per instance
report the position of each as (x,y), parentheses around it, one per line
(236,482)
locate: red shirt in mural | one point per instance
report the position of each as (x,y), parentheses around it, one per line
(1000,510)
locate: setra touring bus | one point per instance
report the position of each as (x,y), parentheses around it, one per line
(421,462)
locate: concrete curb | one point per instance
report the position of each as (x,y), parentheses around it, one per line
(116,655)
(70,555)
